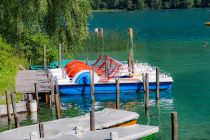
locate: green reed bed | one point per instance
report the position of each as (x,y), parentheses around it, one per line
(109,41)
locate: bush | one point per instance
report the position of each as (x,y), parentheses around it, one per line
(8,66)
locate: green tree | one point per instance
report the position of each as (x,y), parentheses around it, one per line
(140,4)
(156,4)
(188,3)
(58,21)
(130,5)
(198,3)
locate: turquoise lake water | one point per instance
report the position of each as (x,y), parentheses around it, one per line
(173,40)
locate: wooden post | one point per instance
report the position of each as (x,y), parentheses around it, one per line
(91,74)
(174,126)
(57,102)
(106,68)
(86,61)
(30,63)
(131,55)
(41,130)
(63,73)
(157,83)
(60,56)
(52,91)
(143,80)
(8,106)
(13,100)
(101,31)
(37,95)
(96,30)
(117,94)
(27,99)
(147,92)
(44,57)
(92,115)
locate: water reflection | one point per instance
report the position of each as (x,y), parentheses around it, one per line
(128,101)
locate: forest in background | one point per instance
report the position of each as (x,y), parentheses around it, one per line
(148,4)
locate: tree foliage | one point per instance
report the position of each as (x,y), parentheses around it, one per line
(145,4)
(29,24)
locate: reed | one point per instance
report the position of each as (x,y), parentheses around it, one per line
(111,41)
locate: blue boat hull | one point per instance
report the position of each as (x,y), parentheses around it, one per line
(109,88)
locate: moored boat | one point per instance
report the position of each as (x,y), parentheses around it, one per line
(107,118)
(74,79)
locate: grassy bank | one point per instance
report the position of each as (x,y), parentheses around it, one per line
(8,68)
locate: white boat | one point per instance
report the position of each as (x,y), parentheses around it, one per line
(107,118)
(74,79)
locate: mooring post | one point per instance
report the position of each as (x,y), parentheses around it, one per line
(174,126)
(27,99)
(147,92)
(30,63)
(157,83)
(131,55)
(57,102)
(60,56)
(44,57)
(96,30)
(101,31)
(52,87)
(37,95)
(117,94)
(92,115)
(41,130)
(8,106)
(87,61)
(106,68)
(143,81)
(13,100)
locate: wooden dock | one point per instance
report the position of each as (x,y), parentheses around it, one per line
(25,80)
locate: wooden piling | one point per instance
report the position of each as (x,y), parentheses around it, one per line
(30,63)
(117,94)
(101,31)
(106,68)
(52,87)
(13,100)
(92,115)
(96,30)
(147,92)
(174,126)
(27,99)
(8,106)
(60,56)
(91,74)
(157,83)
(41,130)
(131,55)
(143,81)
(87,61)
(44,58)
(57,102)
(37,95)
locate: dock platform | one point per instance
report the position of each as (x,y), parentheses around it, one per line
(25,80)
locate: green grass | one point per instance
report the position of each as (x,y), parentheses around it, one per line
(8,69)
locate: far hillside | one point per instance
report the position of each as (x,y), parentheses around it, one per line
(148,4)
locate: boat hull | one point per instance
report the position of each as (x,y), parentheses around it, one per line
(76,89)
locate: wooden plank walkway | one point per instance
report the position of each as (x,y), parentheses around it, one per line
(25,80)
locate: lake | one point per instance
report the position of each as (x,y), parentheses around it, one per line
(174,40)
(177,42)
